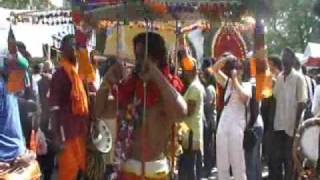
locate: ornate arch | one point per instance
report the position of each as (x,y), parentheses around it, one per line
(229,39)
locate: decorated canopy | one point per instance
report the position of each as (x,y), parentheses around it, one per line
(160,10)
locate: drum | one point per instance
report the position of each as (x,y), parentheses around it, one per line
(112,125)
(30,172)
(306,147)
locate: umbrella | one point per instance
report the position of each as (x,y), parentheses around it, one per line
(164,10)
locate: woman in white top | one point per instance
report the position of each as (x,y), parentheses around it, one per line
(232,122)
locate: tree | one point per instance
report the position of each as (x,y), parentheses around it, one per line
(292,23)
(23,4)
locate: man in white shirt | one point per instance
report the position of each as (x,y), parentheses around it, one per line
(290,94)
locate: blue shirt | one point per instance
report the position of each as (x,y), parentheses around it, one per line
(12,142)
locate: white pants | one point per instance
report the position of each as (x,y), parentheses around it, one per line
(230,149)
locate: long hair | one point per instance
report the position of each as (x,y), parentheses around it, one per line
(156,46)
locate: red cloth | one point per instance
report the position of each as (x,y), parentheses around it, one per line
(73,125)
(134,86)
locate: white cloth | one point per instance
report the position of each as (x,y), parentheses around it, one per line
(316,101)
(230,136)
(154,169)
(288,93)
(195,92)
(97,81)
(35,87)
(259,122)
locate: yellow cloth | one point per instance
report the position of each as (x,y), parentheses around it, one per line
(32,172)
(154,170)
(86,69)
(194,121)
(78,94)
(263,85)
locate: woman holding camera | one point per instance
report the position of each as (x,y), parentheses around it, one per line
(228,72)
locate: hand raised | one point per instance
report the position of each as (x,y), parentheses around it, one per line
(115,73)
(149,71)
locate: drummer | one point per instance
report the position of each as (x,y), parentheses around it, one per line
(164,106)
(12,145)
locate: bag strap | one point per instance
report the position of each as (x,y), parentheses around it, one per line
(313,86)
(224,93)
(309,95)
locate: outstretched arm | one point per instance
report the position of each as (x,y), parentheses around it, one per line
(218,74)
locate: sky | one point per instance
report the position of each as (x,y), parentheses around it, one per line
(57,3)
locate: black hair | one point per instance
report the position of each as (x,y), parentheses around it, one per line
(37,69)
(207,62)
(232,63)
(304,70)
(106,65)
(156,46)
(65,40)
(276,61)
(21,45)
(290,52)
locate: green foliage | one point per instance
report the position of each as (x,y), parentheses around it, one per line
(23,4)
(292,23)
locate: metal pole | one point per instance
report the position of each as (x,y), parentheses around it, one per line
(176,47)
(118,40)
(144,103)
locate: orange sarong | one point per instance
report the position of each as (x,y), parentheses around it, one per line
(72,159)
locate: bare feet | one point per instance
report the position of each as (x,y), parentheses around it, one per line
(25,159)
(4,166)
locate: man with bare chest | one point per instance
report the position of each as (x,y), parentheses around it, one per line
(154,94)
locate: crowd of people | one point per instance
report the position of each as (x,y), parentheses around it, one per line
(217,129)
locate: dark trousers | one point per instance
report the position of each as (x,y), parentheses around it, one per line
(281,157)
(190,165)
(209,148)
(47,163)
(253,158)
